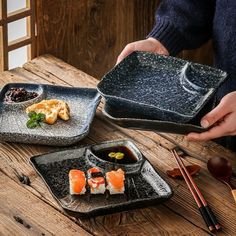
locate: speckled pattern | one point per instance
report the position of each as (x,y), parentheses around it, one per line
(130,120)
(82,102)
(143,185)
(160,87)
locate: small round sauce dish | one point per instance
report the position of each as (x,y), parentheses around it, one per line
(21,95)
(113,155)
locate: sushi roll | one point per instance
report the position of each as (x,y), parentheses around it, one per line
(115,181)
(77,182)
(96,181)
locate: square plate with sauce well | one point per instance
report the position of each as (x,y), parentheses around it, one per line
(159,87)
(82,103)
(143,184)
(131,120)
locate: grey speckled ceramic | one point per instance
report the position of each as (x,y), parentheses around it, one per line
(132,121)
(160,87)
(143,185)
(82,102)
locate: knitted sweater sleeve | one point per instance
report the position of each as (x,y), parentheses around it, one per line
(183,24)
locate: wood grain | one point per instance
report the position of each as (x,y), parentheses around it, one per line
(13,162)
(28,40)
(31,25)
(90,34)
(18,14)
(4,41)
(157,220)
(1,48)
(18,43)
(27,214)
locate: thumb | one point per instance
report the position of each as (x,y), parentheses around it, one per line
(215,115)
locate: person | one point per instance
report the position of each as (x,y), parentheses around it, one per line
(187,24)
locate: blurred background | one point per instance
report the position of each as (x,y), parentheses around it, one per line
(88,34)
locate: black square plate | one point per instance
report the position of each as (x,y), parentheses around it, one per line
(128,119)
(82,102)
(143,185)
(160,87)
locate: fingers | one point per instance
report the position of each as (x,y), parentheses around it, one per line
(227,127)
(148,45)
(222,119)
(129,48)
(213,133)
(215,115)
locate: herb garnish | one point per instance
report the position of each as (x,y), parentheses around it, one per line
(35,119)
(116,155)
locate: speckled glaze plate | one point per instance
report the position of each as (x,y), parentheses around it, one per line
(127,119)
(160,87)
(143,185)
(82,102)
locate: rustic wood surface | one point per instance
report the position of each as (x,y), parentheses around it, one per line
(90,34)
(31,210)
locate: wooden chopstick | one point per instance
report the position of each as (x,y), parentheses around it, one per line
(204,210)
(198,202)
(207,207)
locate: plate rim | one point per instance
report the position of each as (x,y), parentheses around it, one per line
(95,211)
(116,119)
(73,138)
(210,92)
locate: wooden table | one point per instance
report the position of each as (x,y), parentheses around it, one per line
(31,210)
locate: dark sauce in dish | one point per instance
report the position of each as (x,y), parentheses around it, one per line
(19,95)
(129,157)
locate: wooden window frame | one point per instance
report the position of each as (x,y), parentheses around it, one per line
(28,40)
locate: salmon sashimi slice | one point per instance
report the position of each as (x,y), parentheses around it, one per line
(116,178)
(95,180)
(77,182)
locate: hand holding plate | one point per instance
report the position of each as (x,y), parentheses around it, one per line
(147,45)
(221,120)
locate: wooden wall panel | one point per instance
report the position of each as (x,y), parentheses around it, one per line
(203,55)
(90,34)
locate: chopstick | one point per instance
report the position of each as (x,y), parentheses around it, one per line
(203,207)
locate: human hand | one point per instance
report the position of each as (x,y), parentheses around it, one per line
(148,45)
(222,119)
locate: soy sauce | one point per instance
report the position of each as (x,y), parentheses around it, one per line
(129,157)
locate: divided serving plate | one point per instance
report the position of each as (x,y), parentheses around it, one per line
(160,87)
(143,185)
(82,102)
(127,119)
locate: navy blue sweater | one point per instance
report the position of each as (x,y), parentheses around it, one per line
(187,24)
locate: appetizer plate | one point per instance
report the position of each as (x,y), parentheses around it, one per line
(82,102)
(160,87)
(143,185)
(128,119)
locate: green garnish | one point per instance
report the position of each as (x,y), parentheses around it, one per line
(112,154)
(116,155)
(119,155)
(35,119)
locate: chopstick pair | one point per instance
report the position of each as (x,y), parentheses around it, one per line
(203,207)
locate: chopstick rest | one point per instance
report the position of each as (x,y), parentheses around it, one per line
(203,207)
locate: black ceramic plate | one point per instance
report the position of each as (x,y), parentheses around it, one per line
(143,185)
(82,102)
(127,119)
(160,87)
